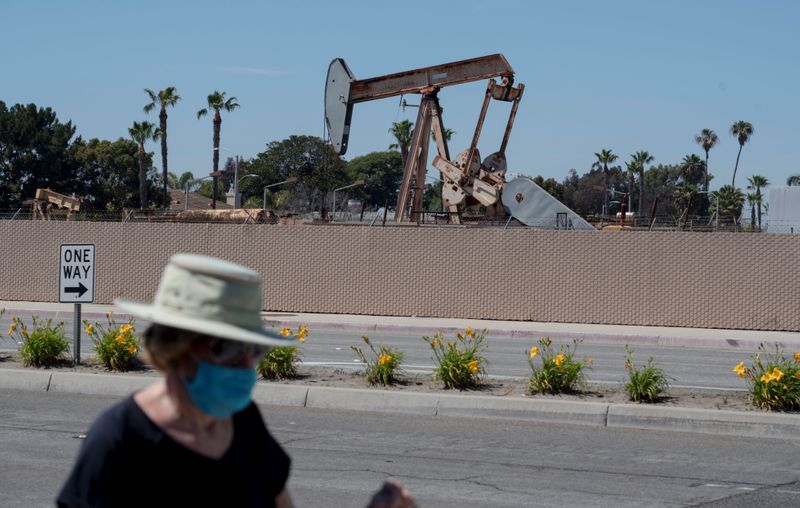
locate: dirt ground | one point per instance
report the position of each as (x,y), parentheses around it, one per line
(324,376)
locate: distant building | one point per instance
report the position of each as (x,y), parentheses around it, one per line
(784,210)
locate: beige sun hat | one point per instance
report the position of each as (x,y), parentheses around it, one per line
(209,296)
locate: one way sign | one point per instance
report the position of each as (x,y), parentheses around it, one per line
(76,274)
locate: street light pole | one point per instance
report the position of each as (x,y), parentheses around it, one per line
(236,189)
(291,179)
(186,190)
(357,182)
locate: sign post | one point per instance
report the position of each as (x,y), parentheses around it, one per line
(76,285)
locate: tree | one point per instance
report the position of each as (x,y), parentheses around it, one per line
(730,200)
(382,173)
(752,200)
(35,152)
(217,103)
(692,169)
(403,132)
(743,131)
(163,99)
(631,168)
(604,158)
(793,180)
(311,160)
(707,139)
(757,182)
(641,158)
(107,173)
(141,133)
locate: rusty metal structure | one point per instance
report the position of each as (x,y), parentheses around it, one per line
(466,179)
(47,204)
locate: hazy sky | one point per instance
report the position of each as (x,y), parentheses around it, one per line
(621,75)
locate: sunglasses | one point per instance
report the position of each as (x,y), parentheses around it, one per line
(232,352)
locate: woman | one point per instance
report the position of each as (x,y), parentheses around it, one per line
(194,437)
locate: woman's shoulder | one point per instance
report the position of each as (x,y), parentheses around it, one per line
(118,421)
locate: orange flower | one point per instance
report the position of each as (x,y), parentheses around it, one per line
(132,349)
(285,332)
(740,370)
(384,359)
(120,339)
(473,366)
(533,353)
(469,331)
(558,360)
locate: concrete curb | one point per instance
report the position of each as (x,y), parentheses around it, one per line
(528,409)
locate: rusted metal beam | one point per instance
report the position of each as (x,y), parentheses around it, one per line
(423,79)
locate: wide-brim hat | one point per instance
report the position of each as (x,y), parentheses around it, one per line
(209,296)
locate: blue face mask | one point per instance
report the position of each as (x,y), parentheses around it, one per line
(221,391)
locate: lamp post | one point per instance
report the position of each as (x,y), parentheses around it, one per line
(186,190)
(354,184)
(236,189)
(291,179)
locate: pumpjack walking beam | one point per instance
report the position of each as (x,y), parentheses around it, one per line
(342,91)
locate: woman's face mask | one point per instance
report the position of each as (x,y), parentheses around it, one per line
(221,391)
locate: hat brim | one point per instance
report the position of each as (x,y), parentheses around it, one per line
(161,316)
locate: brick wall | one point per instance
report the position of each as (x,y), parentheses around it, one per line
(723,280)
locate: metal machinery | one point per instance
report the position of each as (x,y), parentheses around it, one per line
(466,179)
(46,204)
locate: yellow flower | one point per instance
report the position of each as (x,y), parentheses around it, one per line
(132,349)
(534,352)
(300,337)
(384,359)
(120,339)
(740,370)
(558,360)
(777,375)
(766,378)
(797,357)
(90,329)
(473,366)
(12,328)
(469,331)
(285,332)
(125,329)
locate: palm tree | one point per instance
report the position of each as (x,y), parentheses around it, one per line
(217,102)
(730,200)
(752,199)
(756,182)
(641,158)
(141,133)
(742,130)
(692,169)
(604,158)
(631,167)
(793,180)
(164,99)
(403,132)
(707,139)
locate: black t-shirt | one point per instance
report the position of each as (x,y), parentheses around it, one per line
(127,460)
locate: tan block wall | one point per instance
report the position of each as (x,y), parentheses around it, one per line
(724,280)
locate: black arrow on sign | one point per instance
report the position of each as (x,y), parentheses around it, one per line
(80,289)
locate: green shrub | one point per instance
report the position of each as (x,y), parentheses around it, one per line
(560,372)
(773,380)
(281,362)
(115,344)
(644,384)
(459,363)
(43,345)
(384,366)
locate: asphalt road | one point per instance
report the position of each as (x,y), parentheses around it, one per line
(695,367)
(339,458)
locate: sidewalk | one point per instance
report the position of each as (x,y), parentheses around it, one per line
(651,335)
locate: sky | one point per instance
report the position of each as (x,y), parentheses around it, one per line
(618,75)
